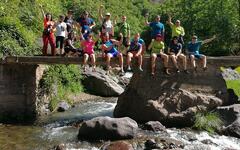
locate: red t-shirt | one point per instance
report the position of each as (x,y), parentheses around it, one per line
(46,23)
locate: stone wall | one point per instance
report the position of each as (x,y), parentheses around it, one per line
(17,92)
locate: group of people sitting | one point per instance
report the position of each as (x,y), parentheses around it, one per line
(112,45)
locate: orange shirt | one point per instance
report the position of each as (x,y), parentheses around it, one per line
(46,23)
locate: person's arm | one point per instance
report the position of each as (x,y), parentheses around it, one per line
(92,24)
(146,21)
(150,45)
(105,48)
(42,11)
(182,32)
(116,42)
(100,13)
(115,21)
(70,44)
(170,21)
(128,32)
(208,40)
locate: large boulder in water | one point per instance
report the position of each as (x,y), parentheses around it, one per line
(101,84)
(172,99)
(106,128)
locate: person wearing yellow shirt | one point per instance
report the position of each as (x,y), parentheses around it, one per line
(157,46)
(177,30)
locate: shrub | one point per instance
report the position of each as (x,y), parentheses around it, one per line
(209,121)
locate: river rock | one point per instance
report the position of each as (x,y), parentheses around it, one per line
(119,145)
(231,117)
(154,126)
(174,107)
(106,128)
(62,106)
(101,84)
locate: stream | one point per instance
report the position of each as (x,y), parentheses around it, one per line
(58,128)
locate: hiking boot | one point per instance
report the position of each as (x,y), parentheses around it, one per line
(178,71)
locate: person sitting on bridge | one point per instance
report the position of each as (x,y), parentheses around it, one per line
(86,23)
(193,51)
(88,50)
(48,35)
(175,53)
(135,50)
(69,48)
(109,49)
(157,46)
(61,32)
(177,30)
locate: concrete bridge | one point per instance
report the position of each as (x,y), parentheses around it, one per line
(18,80)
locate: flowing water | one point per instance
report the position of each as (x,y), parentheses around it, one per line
(59,128)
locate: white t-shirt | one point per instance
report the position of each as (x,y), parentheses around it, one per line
(108,26)
(61,29)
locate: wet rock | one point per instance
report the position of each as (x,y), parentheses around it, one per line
(233,129)
(176,107)
(207,142)
(60,147)
(106,128)
(230,74)
(229,113)
(151,144)
(154,126)
(120,145)
(62,106)
(101,84)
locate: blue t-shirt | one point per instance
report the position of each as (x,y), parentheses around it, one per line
(85,23)
(175,48)
(194,47)
(135,46)
(157,28)
(109,44)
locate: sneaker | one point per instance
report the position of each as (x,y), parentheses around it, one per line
(129,68)
(167,71)
(140,69)
(186,71)
(178,71)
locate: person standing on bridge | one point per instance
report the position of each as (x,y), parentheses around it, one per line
(193,51)
(157,46)
(135,50)
(156,26)
(177,30)
(48,35)
(61,32)
(110,51)
(107,25)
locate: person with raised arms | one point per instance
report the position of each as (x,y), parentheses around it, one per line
(177,30)
(109,49)
(48,35)
(156,26)
(107,25)
(69,21)
(85,23)
(135,50)
(193,48)
(157,46)
(61,33)
(175,53)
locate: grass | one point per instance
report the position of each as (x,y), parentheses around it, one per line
(209,121)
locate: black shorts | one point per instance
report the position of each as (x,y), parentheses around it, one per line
(59,40)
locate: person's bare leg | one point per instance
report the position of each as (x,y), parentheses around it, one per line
(193,61)
(109,56)
(85,59)
(204,61)
(140,62)
(184,59)
(129,59)
(120,56)
(165,62)
(153,63)
(174,59)
(93,62)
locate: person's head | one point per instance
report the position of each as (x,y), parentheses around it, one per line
(158,18)
(194,39)
(136,37)
(158,37)
(178,23)
(69,13)
(107,16)
(175,40)
(124,18)
(48,16)
(89,37)
(85,14)
(61,18)
(105,37)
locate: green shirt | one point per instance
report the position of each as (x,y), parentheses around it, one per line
(123,28)
(157,46)
(176,31)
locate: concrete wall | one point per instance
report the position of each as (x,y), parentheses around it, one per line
(17,92)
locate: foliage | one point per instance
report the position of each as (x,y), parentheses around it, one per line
(235,85)
(209,121)
(59,81)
